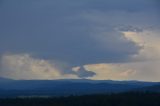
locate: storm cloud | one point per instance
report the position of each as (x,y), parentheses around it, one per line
(76,33)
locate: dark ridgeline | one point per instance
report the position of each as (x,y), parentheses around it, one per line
(14,88)
(121,99)
(84,93)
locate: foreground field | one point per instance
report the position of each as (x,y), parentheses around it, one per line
(121,99)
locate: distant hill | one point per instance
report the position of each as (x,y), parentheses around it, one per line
(153,88)
(66,87)
(4,80)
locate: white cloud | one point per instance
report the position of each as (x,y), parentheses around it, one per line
(143,66)
(150,40)
(143,31)
(23,66)
(110,71)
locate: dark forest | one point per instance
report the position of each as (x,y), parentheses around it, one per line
(120,99)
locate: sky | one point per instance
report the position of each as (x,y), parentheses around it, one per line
(80,39)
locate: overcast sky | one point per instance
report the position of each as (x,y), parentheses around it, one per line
(70,39)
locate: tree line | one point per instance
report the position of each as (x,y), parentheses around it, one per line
(120,99)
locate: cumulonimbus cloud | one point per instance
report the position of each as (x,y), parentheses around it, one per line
(82,34)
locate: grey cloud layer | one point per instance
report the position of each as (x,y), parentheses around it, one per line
(75,33)
(60,30)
